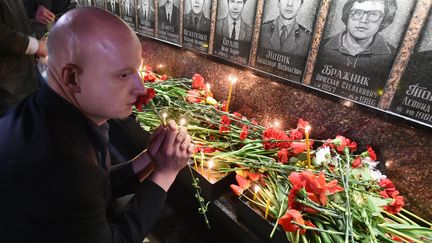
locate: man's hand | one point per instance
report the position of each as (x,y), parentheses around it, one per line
(44,15)
(42,50)
(171,153)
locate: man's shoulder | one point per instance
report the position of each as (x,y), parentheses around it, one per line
(302,30)
(271,24)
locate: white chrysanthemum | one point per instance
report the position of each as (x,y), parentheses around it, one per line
(370,162)
(322,155)
(377,175)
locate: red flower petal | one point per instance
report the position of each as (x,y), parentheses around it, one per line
(243,182)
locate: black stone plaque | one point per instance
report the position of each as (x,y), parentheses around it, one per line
(113,6)
(360,44)
(146,17)
(196,24)
(128,13)
(285,37)
(234,29)
(169,20)
(413,97)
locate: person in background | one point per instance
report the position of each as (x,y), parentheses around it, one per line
(18,49)
(44,13)
(56,178)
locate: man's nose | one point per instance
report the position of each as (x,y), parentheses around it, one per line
(139,87)
(364,18)
(290,2)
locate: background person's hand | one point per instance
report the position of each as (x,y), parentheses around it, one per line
(42,49)
(44,15)
(173,154)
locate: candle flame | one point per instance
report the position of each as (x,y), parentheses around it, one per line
(164,115)
(276,123)
(308,128)
(208,86)
(161,66)
(210,164)
(256,188)
(232,79)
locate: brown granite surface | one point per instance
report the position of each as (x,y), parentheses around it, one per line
(404,148)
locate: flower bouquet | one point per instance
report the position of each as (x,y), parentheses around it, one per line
(311,190)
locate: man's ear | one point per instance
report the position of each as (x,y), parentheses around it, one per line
(69,76)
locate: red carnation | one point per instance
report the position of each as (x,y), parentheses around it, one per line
(283,155)
(396,206)
(164,77)
(292,215)
(357,162)
(145,99)
(225,124)
(275,134)
(295,134)
(150,77)
(244,132)
(371,153)
(198,82)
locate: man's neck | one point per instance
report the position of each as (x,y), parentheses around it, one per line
(355,46)
(286,22)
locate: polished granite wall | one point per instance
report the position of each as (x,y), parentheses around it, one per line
(404,148)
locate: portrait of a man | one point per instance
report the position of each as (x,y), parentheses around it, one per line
(360,44)
(284,42)
(169,19)
(146,12)
(146,17)
(169,16)
(284,34)
(356,61)
(128,8)
(195,20)
(128,12)
(113,6)
(233,26)
(233,34)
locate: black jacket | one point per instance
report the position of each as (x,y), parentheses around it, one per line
(17,70)
(52,187)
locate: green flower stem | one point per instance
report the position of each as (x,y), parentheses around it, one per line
(318,229)
(203,207)
(279,214)
(416,217)
(398,233)
(315,206)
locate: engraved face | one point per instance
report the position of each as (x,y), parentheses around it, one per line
(365,19)
(197,6)
(235,8)
(289,9)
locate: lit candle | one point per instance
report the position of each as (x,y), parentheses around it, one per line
(208,87)
(307,130)
(232,82)
(256,189)
(164,116)
(202,162)
(267,208)
(210,166)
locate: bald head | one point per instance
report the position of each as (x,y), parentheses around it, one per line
(83,32)
(90,48)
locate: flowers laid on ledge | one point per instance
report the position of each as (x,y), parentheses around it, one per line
(315,190)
